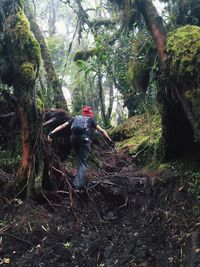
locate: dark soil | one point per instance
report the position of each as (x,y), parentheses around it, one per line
(122,219)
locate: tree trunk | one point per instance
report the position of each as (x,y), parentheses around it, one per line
(155,25)
(21,54)
(102,100)
(177,133)
(111,101)
(31,138)
(52,17)
(52,77)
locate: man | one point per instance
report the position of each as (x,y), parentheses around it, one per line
(80,139)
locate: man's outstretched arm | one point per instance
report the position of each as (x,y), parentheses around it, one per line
(60,127)
(103,132)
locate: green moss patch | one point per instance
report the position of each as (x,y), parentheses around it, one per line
(138,132)
(24,57)
(138,74)
(183,55)
(27,71)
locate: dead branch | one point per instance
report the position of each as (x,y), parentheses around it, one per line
(18,238)
(139,152)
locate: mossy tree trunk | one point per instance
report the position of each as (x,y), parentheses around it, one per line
(178,122)
(182,81)
(53,81)
(20,56)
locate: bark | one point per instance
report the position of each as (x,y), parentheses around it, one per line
(111,101)
(102,99)
(20,52)
(27,172)
(52,77)
(155,25)
(105,114)
(177,132)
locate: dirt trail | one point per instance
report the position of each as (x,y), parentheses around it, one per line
(123,219)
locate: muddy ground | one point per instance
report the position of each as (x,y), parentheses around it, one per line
(124,218)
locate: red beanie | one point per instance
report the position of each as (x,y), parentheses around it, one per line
(86,111)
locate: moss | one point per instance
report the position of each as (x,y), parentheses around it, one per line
(183,56)
(27,71)
(138,132)
(25,60)
(39,103)
(138,75)
(26,41)
(193,95)
(21,3)
(84,55)
(182,73)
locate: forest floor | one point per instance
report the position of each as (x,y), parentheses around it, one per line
(126,217)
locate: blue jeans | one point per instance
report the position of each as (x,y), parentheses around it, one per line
(81,144)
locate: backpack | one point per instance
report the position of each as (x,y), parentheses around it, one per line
(80,125)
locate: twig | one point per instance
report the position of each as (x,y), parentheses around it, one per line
(98,256)
(137,154)
(124,205)
(18,238)
(63,175)
(62,192)
(93,186)
(109,183)
(19,193)
(5,228)
(42,256)
(90,197)
(154,214)
(78,224)
(71,197)
(47,200)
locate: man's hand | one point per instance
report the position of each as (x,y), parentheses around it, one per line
(49,138)
(112,143)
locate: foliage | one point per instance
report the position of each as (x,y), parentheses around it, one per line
(57,46)
(127,64)
(84,90)
(182,12)
(10,159)
(188,169)
(135,64)
(98,63)
(21,3)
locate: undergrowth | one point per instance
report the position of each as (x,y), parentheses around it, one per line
(9,159)
(141,133)
(141,136)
